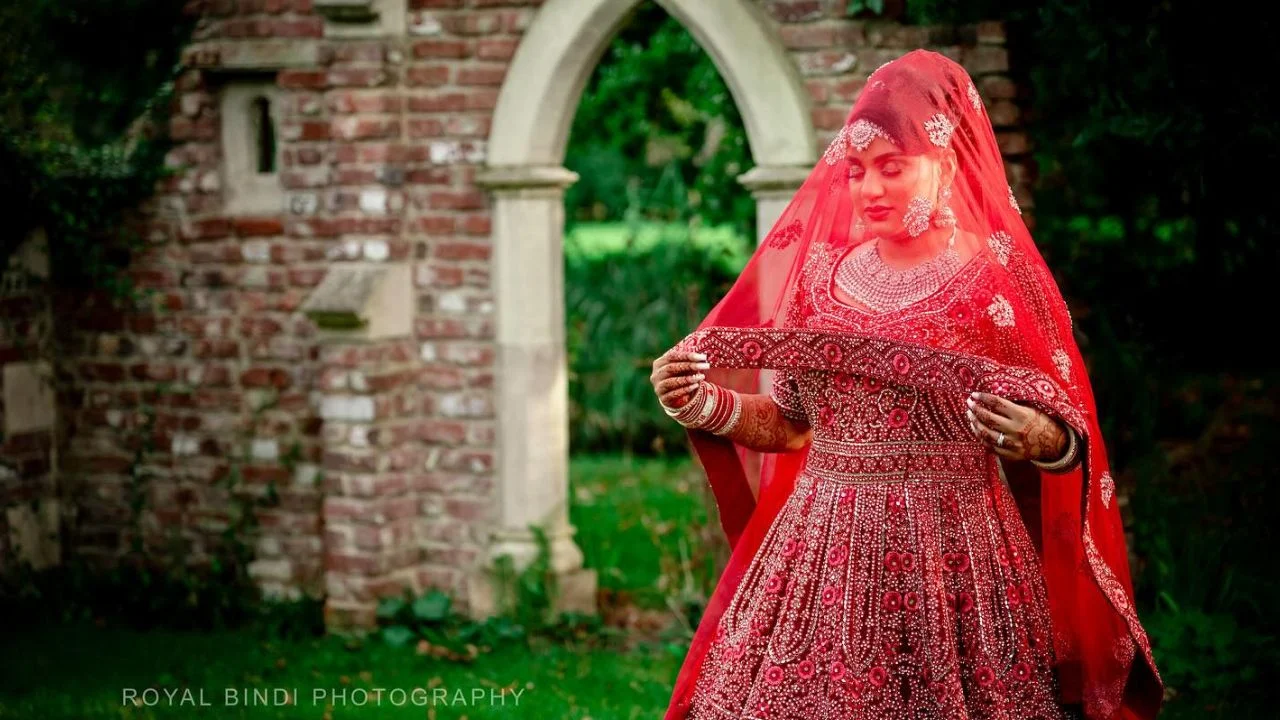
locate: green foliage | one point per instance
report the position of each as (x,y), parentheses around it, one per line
(84,87)
(657,134)
(631,293)
(429,624)
(1207,567)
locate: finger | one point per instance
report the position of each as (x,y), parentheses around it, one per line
(999,423)
(1007,453)
(982,432)
(666,386)
(677,369)
(675,398)
(1001,406)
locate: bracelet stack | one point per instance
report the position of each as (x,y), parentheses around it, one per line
(713,408)
(1068,459)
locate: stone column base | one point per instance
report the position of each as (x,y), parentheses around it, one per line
(489,593)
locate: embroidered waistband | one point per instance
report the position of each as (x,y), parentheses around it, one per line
(920,461)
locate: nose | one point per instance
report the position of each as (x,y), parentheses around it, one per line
(872,188)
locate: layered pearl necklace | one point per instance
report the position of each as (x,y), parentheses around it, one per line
(864,276)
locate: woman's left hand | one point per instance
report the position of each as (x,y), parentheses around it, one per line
(1015,431)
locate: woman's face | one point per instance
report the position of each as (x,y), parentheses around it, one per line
(882,182)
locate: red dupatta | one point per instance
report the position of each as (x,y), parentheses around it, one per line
(921,102)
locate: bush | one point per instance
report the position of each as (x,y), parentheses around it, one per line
(631,293)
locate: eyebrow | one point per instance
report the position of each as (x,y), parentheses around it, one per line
(891,155)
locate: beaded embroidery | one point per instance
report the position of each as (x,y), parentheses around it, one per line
(974,98)
(863,132)
(1108,487)
(1063,362)
(1001,311)
(896,581)
(939,129)
(1001,243)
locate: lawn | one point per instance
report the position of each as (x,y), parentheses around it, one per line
(624,509)
(78,673)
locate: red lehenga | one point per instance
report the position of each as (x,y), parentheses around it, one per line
(895,568)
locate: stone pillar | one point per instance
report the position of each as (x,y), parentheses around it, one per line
(772,186)
(532,387)
(370,407)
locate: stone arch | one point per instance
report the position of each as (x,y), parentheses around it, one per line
(525,174)
(547,75)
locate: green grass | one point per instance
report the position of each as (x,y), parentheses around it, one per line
(633,515)
(641,524)
(597,240)
(82,672)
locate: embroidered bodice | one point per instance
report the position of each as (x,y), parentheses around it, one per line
(898,581)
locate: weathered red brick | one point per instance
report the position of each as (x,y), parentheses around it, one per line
(427,76)
(807,37)
(358,77)
(819,91)
(456,49)
(429,175)
(496,48)
(303,79)
(468,509)
(795,10)
(426,127)
(472,23)
(827,118)
(306,277)
(460,250)
(102,372)
(450,101)
(456,200)
(216,348)
(207,229)
(482,75)
(377,101)
(477,225)
(258,227)
(301,27)
(313,130)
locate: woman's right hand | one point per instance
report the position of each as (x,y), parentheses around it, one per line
(676,375)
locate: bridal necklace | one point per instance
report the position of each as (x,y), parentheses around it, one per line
(864,276)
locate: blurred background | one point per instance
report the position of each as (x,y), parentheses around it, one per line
(1153,145)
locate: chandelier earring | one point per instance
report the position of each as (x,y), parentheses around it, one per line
(945,217)
(916,219)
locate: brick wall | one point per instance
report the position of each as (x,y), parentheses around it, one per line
(382,454)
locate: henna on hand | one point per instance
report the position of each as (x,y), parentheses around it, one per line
(764,429)
(1045,438)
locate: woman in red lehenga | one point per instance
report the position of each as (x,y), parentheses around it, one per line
(917,496)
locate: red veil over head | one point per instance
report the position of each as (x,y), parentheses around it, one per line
(923,101)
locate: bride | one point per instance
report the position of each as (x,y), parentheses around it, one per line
(903,444)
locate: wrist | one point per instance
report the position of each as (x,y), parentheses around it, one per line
(712,408)
(1067,456)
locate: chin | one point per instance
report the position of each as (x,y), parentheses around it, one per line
(885,228)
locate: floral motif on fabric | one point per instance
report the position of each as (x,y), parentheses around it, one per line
(1107,488)
(1001,311)
(974,98)
(783,237)
(1062,361)
(1013,201)
(1001,243)
(939,128)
